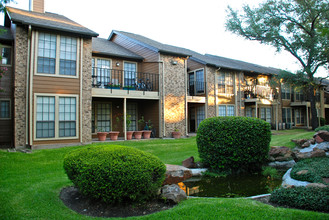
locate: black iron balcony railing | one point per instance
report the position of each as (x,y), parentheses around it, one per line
(251,92)
(127,80)
(196,88)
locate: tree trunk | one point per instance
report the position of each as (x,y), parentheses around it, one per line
(314,115)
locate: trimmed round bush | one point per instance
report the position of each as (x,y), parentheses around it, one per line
(233,144)
(115,174)
(323,128)
(308,198)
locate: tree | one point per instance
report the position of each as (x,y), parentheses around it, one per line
(297,26)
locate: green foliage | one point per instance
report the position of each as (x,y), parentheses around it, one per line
(233,144)
(115,174)
(318,168)
(271,172)
(322,121)
(324,128)
(308,198)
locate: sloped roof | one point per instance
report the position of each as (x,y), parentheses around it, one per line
(151,44)
(206,59)
(48,21)
(106,47)
(5,34)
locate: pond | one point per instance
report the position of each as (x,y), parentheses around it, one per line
(230,186)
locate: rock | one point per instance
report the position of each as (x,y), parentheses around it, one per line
(302,172)
(176,174)
(318,153)
(282,164)
(321,135)
(199,165)
(299,156)
(287,180)
(299,142)
(312,141)
(323,146)
(280,154)
(306,144)
(189,163)
(173,193)
(198,171)
(319,185)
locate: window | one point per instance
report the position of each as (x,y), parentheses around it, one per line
(285,91)
(200,115)
(56,116)
(130,70)
(6,56)
(286,115)
(299,96)
(57,55)
(199,81)
(132,111)
(265,114)
(4,109)
(196,82)
(317,96)
(102,74)
(299,116)
(225,83)
(226,110)
(250,112)
(103,117)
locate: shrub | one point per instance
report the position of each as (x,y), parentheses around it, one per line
(322,121)
(233,144)
(325,128)
(309,198)
(271,172)
(318,168)
(115,174)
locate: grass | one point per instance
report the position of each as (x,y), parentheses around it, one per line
(284,137)
(30,185)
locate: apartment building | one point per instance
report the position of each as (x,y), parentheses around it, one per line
(63,84)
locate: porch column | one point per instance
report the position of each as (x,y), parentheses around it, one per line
(307,118)
(276,117)
(125,118)
(256,112)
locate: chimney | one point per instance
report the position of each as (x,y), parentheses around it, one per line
(37,6)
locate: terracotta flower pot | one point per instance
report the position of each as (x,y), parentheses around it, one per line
(114,135)
(101,136)
(129,135)
(147,134)
(138,134)
(176,134)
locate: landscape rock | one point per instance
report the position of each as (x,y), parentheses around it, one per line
(321,136)
(318,153)
(299,155)
(299,142)
(283,164)
(176,174)
(302,172)
(323,146)
(278,153)
(189,163)
(319,185)
(173,193)
(306,144)
(287,180)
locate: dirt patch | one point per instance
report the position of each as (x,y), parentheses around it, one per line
(72,198)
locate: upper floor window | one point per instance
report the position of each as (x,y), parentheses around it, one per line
(130,70)
(226,110)
(299,94)
(5,56)
(101,73)
(57,54)
(196,82)
(285,91)
(225,83)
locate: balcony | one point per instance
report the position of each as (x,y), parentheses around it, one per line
(196,88)
(259,92)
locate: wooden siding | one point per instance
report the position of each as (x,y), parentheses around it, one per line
(49,142)
(39,6)
(57,85)
(192,65)
(148,54)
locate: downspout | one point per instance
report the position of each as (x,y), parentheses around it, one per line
(81,91)
(163,100)
(240,98)
(28,88)
(216,92)
(236,96)
(186,104)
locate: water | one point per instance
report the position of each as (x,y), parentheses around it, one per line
(230,186)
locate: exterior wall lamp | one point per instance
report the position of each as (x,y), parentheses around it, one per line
(174,62)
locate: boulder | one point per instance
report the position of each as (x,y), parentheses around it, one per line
(323,146)
(321,136)
(299,142)
(299,155)
(319,185)
(189,163)
(176,174)
(278,153)
(306,144)
(318,153)
(283,164)
(173,193)
(302,172)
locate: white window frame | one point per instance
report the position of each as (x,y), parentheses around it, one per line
(57,61)
(5,99)
(57,96)
(226,110)
(285,109)
(266,115)
(95,66)
(284,90)
(95,106)
(11,55)
(226,76)
(123,72)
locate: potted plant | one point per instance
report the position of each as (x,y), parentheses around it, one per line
(176,134)
(128,122)
(147,128)
(113,86)
(131,87)
(101,134)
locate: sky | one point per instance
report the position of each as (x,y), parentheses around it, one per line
(193,24)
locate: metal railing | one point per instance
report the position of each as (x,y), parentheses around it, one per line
(258,91)
(127,80)
(196,88)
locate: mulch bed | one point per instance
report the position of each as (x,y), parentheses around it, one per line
(72,198)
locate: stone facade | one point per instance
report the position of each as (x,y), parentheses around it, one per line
(20,71)
(86,91)
(174,94)
(211,91)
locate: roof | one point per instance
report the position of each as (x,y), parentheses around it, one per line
(48,21)
(5,34)
(106,47)
(207,59)
(151,44)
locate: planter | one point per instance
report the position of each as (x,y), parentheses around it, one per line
(114,135)
(126,88)
(176,134)
(138,134)
(129,135)
(101,136)
(147,134)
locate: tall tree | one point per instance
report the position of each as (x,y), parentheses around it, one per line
(297,26)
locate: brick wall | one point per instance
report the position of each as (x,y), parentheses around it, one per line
(211,89)
(174,94)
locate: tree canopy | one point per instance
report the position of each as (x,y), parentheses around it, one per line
(300,27)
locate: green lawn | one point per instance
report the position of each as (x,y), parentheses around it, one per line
(283,137)
(30,186)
